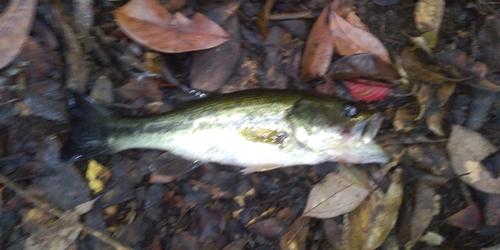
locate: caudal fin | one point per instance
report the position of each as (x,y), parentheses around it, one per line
(88,129)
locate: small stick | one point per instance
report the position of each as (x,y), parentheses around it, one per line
(58,213)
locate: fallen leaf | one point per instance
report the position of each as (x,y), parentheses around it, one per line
(211,68)
(355,21)
(368,225)
(103,90)
(15,25)
(403,120)
(319,48)
(429,15)
(333,196)
(467,218)
(138,88)
(295,236)
(419,70)
(148,23)
(97,175)
(426,96)
(435,122)
(349,40)
(363,65)
(366,90)
(221,12)
(342,7)
(62,233)
(423,212)
(444,92)
(238,244)
(466,149)
(270,228)
(426,42)
(480,107)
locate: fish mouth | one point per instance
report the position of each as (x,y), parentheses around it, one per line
(368,129)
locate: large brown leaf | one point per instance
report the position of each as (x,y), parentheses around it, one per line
(336,194)
(349,39)
(148,23)
(319,47)
(15,25)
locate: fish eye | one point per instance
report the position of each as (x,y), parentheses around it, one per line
(350,111)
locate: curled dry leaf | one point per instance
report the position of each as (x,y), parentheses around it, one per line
(148,23)
(423,212)
(319,48)
(333,196)
(15,25)
(350,40)
(429,15)
(368,225)
(466,149)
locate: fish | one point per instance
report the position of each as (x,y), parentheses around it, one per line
(258,130)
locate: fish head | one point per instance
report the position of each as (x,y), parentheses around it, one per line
(337,131)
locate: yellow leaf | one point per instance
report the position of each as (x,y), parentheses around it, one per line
(96,175)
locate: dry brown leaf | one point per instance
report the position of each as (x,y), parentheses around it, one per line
(435,122)
(211,68)
(425,97)
(444,92)
(467,218)
(319,47)
(15,25)
(429,15)
(423,212)
(148,23)
(466,149)
(418,70)
(369,225)
(333,196)
(296,235)
(342,7)
(349,40)
(60,234)
(146,87)
(403,120)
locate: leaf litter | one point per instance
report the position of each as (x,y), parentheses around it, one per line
(439,100)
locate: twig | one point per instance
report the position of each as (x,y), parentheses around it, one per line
(295,15)
(58,213)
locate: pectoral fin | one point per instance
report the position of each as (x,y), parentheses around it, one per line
(168,167)
(263,135)
(260,168)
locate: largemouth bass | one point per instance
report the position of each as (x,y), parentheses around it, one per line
(254,129)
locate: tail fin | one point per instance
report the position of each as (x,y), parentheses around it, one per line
(89,132)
